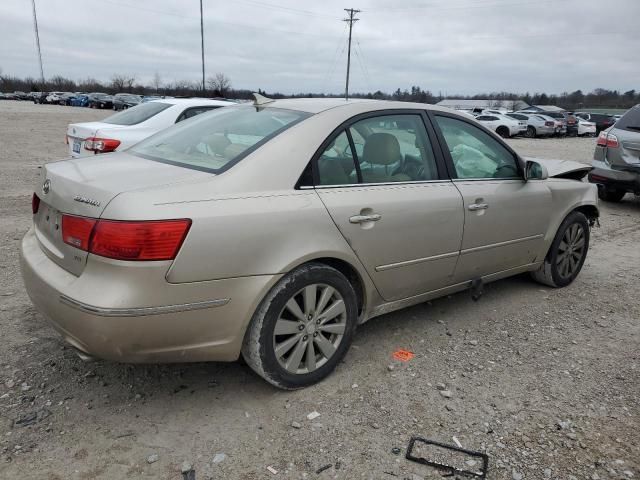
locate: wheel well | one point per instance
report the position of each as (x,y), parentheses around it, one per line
(502,128)
(590,211)
(352,275)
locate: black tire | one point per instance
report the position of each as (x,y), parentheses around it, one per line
(531,132)
(551,272)
(503,132)
(611,194)
(259,345)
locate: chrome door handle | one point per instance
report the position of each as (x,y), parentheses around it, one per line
(478,206)
(374,217)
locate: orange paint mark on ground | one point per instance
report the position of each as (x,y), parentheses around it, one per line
(403,355)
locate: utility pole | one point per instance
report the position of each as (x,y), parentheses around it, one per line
(202,42)
(35,27)
(351,21)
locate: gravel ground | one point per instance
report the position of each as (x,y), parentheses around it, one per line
(545,381)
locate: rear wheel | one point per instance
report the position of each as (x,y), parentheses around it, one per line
(531,132)
(503,132)
(302,328)
(567,252)
(610,194)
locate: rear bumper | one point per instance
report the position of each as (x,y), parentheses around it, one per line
(131,314)
(602,174)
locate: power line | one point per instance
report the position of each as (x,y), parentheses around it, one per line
(35,27)
(363,66)
(286,9)
(332,65)
(351,20)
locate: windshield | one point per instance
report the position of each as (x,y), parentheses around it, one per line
(214,141)
(137,114)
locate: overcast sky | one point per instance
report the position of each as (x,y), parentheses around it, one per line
(448,46)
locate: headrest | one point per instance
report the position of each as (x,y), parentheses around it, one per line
(381,149)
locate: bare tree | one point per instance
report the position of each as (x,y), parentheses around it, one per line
(122,82)
(220,83)
(157,81)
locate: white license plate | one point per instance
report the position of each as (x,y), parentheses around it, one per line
(76,146)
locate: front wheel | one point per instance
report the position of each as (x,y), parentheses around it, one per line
(302,328)
(531,132)
(567,252)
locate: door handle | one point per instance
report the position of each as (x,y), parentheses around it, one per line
(478,206)
(373,217)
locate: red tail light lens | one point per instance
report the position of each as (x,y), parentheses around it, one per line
(101,145)
(35,203)
(76,231)
(607,140)
(549,124)
(126,240)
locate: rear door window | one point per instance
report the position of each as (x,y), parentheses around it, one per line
(137,114)
(630,121)
(193,111)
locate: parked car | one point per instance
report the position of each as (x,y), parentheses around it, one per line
(54,97)
(41,97)
(503,125)
(602,120)
(100,100)
(80,100)
(123,129)
(66,98)
(19,95)
(537,125)
(572,124)
(586,128)
(558,117)
(272,230)
(616,159)
(122,101)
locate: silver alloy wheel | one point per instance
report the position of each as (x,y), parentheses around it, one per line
(309,328)
(570,250)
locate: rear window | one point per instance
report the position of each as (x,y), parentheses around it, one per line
(216,141)
(630,120)
(137,114)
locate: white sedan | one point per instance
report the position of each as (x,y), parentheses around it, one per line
(128,127)
(501,124)
(586,128)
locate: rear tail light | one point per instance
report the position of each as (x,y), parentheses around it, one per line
(549,124)
(35,203)
(607,140)
(76,231)
(126,240)
(101,145)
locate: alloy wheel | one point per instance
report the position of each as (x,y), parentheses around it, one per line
(309,328)
(571,250)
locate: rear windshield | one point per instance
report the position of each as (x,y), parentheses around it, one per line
(214,141)
(630,120)
(137,114)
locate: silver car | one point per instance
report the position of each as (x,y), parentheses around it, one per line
(272,230)
(537,125)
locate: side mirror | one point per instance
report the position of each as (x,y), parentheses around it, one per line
(535,171)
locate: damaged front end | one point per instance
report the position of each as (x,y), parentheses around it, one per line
(567,169)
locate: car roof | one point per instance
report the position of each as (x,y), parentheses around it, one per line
(356,105)
(193,101)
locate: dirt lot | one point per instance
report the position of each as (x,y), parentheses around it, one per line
(545,381)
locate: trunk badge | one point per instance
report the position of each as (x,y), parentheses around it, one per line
(90,201)
(46,186)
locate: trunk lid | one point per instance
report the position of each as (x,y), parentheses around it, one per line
(77,133)
(84,187)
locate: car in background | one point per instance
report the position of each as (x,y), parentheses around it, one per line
(122,101)
(54,97)
(41,97)
(80,100)
(19,95)
(273,230)
(586,128)
(66,98)
(560,120)
(616,159)
(572,124)
(503,125)
(602,120)
(128,127)
(100,100)
(537,125)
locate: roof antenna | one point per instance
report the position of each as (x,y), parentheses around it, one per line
(261,99)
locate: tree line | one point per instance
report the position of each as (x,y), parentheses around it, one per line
(219,85)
